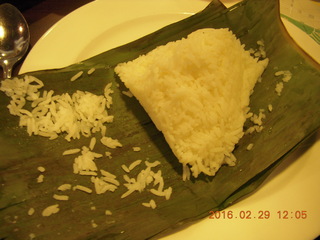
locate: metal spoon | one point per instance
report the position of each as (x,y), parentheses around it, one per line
(14,37)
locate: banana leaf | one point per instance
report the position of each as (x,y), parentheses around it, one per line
(295,116)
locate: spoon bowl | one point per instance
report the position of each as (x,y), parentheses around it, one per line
(14,37)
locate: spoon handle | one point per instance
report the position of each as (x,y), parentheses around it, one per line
(7,68)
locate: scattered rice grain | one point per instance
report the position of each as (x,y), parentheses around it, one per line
(32,236)
(82,188)
(152,164)
(107,174)
(87,173)
(64,187)
(77,76)
(125,168)
(90,71)
(60,197)
(134,164)
(111,180)
(110,142)
(48,211)
(93,224)
(31,211)
(279,88)
(250,146)
(41,169)
(92,143)
(168,193)
(150,204)
(40,178)
(71,151)
(127,93)
(136,149)
(108,213)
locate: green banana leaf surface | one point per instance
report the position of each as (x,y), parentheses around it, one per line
(295,116)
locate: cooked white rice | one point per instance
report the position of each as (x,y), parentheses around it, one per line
(196,91)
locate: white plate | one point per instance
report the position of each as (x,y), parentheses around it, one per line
(102,25)
(293,188)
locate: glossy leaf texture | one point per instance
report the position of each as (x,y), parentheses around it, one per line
(295,116)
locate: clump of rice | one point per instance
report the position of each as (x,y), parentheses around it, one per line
(49,115)
(104,184)
(85,162)
(82,113)
(260,52)
(257,120)
(145,178)
(286,76)
(196,90)
(107,182)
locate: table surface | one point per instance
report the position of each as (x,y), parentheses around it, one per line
(41,15)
